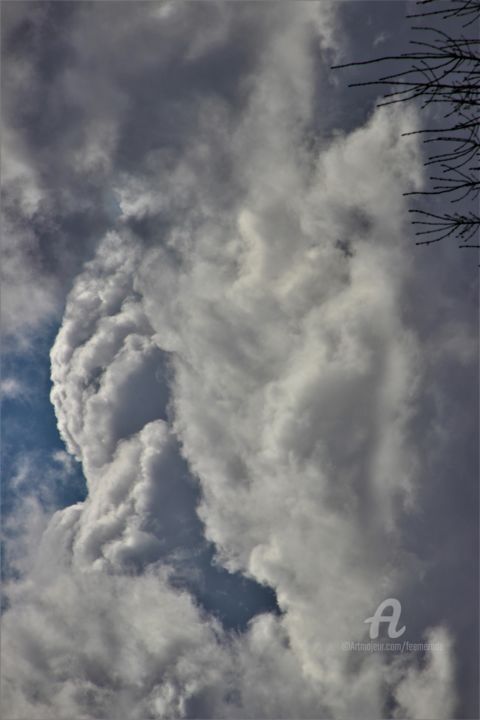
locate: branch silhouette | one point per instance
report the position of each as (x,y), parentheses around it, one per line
(441,70)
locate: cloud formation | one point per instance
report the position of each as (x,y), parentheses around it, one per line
(245,314)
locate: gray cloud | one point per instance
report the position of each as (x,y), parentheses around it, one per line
(220,325)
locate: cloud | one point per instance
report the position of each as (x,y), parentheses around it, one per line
(429,692)
(81,116)
(13,389)
(84,647)
(221,325)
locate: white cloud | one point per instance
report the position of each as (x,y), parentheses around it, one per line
(429,692)
(84,646)
(11,388)
(285,369)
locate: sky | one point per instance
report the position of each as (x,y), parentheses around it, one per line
(239,405)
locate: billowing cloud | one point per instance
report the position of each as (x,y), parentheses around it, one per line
(245,316)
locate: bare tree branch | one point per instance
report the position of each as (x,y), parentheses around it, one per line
(441,69)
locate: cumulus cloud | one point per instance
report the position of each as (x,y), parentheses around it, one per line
(84,647)
(244,315)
